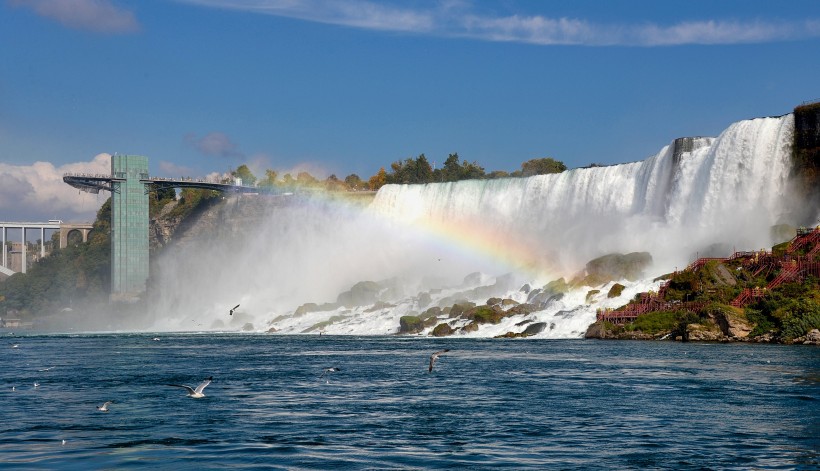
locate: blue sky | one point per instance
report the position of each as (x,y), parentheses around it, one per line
(348,86)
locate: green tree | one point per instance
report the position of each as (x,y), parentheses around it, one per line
(243,172)
(270,179)
(306,179)
(378,180)
(541,167)
(354,182)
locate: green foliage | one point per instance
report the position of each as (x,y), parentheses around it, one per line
(77,273)
(411,171)
(269,181)
(541,167)
(243,172)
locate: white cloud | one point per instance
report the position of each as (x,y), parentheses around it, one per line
(456,18)
(37,192)
(214,143)
(99,16)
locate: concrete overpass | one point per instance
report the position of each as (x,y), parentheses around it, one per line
(55,224)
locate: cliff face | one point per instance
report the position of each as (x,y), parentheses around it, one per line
(806,155)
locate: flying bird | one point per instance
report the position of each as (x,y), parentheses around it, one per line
(434,357)
(197,393)
(234,309)
(332,369)
(47,369)
(104,407)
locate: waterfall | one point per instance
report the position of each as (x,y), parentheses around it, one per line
(431,245)
(727,190)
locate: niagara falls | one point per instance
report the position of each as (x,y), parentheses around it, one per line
(409,235)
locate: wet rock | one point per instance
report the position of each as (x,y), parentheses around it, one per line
(615,291)
(493,301)
(471,327)
(410,325)
(442,330)
(361,294)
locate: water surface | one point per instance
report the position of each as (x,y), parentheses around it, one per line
(489,403)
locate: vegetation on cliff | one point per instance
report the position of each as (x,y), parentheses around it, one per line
(743,298)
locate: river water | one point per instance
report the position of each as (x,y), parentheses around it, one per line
(488,404)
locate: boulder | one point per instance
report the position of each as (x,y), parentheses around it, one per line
(493,301)
(442,330)
(615,291)
(618,266)
(812,338)
(410,325)
(733,324)
(361,294)
(535,328)
(471,327)
(590,295)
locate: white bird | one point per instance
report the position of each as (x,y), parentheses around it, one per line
(332,369)
(197,393)
(47,369)
(15,345)
(36,384)
(63,441)
(155,339)
(234,309)
(434,357)
(104,407)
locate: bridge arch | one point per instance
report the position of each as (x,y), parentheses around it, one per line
(67,229)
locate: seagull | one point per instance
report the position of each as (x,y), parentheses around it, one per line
(15,345)
(104,407)
(36,384)
(197,393)
(234,309)
(155,339)
(47,369)
(332,369)
(434,357)
(63,442)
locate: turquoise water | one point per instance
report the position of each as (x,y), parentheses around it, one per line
(489,403)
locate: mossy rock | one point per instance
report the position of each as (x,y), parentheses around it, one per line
(618,266)
(459,308)
(313,307)
(486,315)
(442,330)
(361,294)
(522,309)
(410,325)
(325,323)
(493,301)
(432,312)
(471,327)
(379,305)
(615,291)
(590,294)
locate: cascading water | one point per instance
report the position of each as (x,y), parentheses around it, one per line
(419,241)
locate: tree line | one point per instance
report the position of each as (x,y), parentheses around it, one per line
(409,171)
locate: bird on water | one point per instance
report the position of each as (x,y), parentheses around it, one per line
(196,393)
(104,407)
(332,369)
(434,357)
